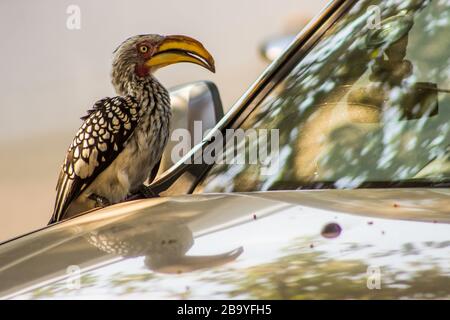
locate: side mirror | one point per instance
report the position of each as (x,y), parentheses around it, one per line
(192,102)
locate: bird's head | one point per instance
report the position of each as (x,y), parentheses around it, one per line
(140,56)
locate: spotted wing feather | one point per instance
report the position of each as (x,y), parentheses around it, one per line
(103,135)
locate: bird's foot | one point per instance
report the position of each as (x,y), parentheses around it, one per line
(147,192)
(100,202)
(135,196)
(143,192)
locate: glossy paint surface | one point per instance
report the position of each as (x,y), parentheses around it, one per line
(255,245)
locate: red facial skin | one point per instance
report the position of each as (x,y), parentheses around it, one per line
(141,69)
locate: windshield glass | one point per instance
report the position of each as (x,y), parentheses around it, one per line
(368,106)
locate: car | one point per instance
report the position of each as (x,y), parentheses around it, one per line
(351,202)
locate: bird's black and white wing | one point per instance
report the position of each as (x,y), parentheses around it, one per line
(103,135)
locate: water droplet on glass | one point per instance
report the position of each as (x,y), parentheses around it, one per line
(331,230)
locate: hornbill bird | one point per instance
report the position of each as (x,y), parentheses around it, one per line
(120,143)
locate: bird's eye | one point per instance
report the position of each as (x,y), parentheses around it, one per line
(143,49)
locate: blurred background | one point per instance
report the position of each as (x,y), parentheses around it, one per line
(50,75)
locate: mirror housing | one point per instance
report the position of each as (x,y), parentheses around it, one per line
(191,102)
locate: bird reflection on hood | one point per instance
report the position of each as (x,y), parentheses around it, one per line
(164,245)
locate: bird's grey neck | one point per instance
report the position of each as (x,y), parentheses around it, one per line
(144,90)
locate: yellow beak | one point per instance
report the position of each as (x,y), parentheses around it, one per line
(175,49)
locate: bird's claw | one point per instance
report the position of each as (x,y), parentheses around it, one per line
(143,192)
(100,202)
(147,192)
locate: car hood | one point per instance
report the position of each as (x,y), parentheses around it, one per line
(332,244)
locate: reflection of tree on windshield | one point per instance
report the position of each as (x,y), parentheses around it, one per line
(362,108)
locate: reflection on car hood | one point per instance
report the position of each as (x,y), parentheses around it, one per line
(282,245)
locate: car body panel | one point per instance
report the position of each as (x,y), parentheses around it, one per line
(242,245)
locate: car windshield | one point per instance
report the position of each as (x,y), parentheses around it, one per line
(368,106)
